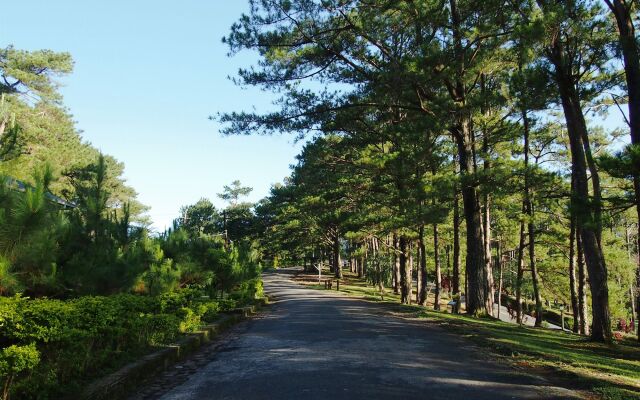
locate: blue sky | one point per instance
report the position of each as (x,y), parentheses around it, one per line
(148,74)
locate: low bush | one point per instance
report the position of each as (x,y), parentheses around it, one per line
(14,360)
(248,291)
(50,348)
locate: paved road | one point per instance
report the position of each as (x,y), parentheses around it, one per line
(318,345)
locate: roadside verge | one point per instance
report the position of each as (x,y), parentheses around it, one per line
(121,383)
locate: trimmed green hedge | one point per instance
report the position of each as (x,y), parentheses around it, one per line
(51,348)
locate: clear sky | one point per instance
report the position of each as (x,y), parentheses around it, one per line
(148,74)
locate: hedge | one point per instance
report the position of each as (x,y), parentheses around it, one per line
(50,349)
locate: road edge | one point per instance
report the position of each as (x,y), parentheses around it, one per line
(119,384)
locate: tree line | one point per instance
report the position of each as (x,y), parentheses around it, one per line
(85,284)
(69,223)
(460,128)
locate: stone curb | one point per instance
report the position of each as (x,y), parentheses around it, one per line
(120,383)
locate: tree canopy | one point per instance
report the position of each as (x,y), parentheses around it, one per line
(477,119)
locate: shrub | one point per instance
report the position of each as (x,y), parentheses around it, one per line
(15,360)
(65,343)
(248,291)
(209,311)
(228,304)
(162,278)
(189,320)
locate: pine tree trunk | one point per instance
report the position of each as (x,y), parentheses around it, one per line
(500,277)
(462,130)
(478,290)
(520,276)
(396,265)
(590,234)
(582,288)
(352,261)
(411,271)
(528,209)
(336,255)
(456,241)
(361,264)
(405,272)
(588,212)
(572,277)
(488,267)
(447,250)
(636,183)
(436,256)
(376,257)
(638,281)
(486,207)
(633,307)
(466,286)
(418,272)
(534,273)
(423,268)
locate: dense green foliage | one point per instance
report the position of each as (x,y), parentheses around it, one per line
(437,147)
(78,339)
(84,285)
(89,250)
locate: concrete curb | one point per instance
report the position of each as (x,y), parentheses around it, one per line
(121,383)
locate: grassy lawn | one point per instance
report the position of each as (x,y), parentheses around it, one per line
(613,371)
(608,371)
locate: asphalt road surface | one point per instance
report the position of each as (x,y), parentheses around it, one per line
(315,344)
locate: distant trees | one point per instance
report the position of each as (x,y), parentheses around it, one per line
(201,217)
(31,72)
(234,192)
(236,221)
(29,227)
(70,226)
(210,248)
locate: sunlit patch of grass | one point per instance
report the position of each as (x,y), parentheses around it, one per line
(613,371)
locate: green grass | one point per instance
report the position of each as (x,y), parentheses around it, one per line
(608,371)
(613,371)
